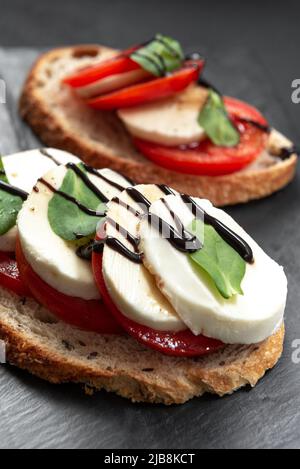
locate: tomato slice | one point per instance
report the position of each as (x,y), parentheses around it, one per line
(205,158)
(241,110)
(10,275)
(157,88)
(119,64)
(89,315)
(179,344)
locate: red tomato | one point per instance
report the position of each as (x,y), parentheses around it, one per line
(157,88)
(239,109)
(89,315)
(10,275)
(115,65)
(180,344)
(207,159)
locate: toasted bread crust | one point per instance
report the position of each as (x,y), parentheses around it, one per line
(112,145)
(60,353)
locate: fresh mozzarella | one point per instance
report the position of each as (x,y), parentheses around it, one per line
(52,258)
(23,170)
(245,319)
(131,287)
(112,83)
(171,121)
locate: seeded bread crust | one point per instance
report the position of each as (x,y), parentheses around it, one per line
(56,352)
(62,120)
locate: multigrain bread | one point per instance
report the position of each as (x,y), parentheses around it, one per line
(62,120)
(56,352)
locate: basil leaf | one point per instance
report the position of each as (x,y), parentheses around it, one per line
(218,259)
(65,218)
(159,56)
(213,118)
(10,205)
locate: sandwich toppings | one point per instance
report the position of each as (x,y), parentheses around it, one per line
(152,71)
(170,270)
(176,119)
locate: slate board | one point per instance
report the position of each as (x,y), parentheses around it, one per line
(34,414)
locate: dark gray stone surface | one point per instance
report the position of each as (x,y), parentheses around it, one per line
(258,67)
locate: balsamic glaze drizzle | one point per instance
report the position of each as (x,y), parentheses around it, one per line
(287,152)
(264,128)
(179,237)
(130,209)
(139,198)
(184,241)
(95,172)
(165,189)
(160,66)
(168,46)
(229,236)
(6,187)
(118,246)
(87,182)
(130,238)
(46,153)
(83,208)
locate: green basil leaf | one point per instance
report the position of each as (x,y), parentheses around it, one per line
(160,56)
(10,205)
(213,118)
(219,260)
(65,218)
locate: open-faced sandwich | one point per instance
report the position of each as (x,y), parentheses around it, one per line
(137,289)
(147,112)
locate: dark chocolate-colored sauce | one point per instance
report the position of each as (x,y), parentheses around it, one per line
(6,187)
(139,198)
(207,84)
(182,241)
(175,217)
(165,189)
(233,239)
(130,238)
(159,66)
(180,238)
(46,153)
(83,208)
(118,246)
(130,209)
(168,46)
(95,172)
(286,152)
(86,180)
(258,125)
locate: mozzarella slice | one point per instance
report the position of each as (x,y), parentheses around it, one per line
(131,287)
(52,258)
(171,121)
(245,319)
(113,83)
(23,170)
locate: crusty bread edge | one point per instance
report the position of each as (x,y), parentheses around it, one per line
(239,187)
(47,363)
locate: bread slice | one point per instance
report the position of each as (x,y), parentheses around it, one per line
(56,352)
(62,120)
